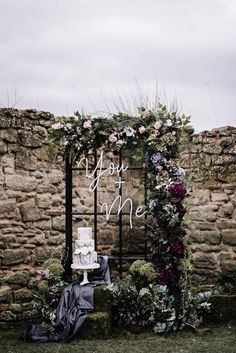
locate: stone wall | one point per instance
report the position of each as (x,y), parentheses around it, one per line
(212,205)
(32,200)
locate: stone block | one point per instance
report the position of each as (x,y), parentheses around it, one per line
(226,210)
(56,240)
(20,183)
(40,130)
(23,295)
(25,159)
(219,196)
(56,176)
(44,200)
(225,224)
(97,325)
(196,237)
(28,138)
(206,226)
(15,308)
(8,238)
(229,236)
(205,261)
(37,240)
(7,316)
(211,216)
(226,256)
(197,216)
(58,223)
(199,197)
(224,159)
(42,254)
(44,224)
(228,266)
(5,294)
(212,237)
(20,277)
(7,206)
(13,257)
(46,187)
(9,135)
(29,211)
(3,147)
(212,149)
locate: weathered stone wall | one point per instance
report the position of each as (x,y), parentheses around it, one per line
(212,206)
(32,200)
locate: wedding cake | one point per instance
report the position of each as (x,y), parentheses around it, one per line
(84,256)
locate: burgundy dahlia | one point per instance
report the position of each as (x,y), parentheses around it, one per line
(166,277)
(176,190)
(177,249)
(181,210)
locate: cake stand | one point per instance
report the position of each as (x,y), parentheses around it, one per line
(85,269)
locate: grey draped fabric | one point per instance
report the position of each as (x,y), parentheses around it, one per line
(75,304)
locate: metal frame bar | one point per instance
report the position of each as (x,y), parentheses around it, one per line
(69,217)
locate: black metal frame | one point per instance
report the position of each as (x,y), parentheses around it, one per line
(69,217)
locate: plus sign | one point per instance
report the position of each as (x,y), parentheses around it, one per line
(119,182)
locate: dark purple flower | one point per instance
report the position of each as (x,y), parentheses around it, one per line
(156,260)
(181,210)
(176,190)
(166,277)
(177,249)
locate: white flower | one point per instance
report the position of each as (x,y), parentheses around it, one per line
(120,143)
(57,126)
(68,126)
(168,122)
(87,124)
(157,125)
(112,138)
(52,316)
(141,129)
(144,291)
(129,131)
(180,172)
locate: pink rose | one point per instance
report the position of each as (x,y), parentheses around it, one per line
(112,138)
(141,129)
(87,124)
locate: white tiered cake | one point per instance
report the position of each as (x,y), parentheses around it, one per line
(84,256)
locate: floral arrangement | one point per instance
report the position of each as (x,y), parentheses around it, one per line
(50,287)
(158,133)
(146,304)
(155,129)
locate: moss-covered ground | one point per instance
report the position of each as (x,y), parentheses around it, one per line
(214,339)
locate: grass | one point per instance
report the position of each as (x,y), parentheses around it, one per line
(215,339)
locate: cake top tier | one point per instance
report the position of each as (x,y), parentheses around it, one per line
(84,234)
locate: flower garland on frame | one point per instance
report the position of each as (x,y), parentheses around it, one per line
(157,134)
